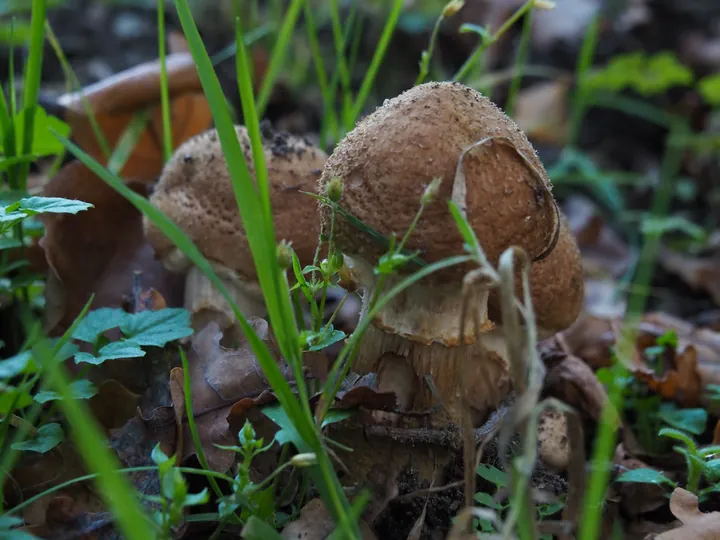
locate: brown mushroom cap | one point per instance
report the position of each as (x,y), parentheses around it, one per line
(196,193)
(557,286)
(392,155)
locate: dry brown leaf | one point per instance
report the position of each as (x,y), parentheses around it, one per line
(114,404)
(695,524)
(541,111)
(97,251)
(699,273)
(315,523)
(64,516)
(575,383)
(226,384)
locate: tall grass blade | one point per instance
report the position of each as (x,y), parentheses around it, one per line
(164,92)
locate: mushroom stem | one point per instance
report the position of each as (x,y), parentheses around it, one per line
(399,330)
(206,304)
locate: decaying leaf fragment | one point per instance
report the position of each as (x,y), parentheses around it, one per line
(695,524)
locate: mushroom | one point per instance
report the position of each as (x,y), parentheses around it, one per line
(196,193)
(385,165)
(553,440)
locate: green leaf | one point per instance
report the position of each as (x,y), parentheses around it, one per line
(9,243)
(658,226)
(46,438)
(194,499)
(9,394)
(287,432)
(470,28)
(709,88)
(98,321)
(493,475)
(679,436)
(335,415)
(52,205)
(257,529)
(81,389)
(111,351)
(318,341)
(487,500)
(647,75)
(690,420)
(712,470)
(43,141)
(157,328)
(645,476)
(15,365)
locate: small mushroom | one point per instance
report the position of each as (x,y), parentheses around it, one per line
(553,440)
(385,164)
(196,193)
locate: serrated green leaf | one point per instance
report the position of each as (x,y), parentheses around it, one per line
(15,365)
(157,328)
(111,351)
(690,420)
(52,205)
(46,438)
(98,321)
(493,475)
(645,476)
(81,389)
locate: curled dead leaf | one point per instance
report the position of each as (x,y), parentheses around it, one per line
(695,524)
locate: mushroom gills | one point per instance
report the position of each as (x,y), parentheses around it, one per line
(206,304)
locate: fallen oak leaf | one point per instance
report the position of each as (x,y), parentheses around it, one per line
(695,524)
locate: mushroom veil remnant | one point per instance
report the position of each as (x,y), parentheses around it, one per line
(434,131)
(195,192)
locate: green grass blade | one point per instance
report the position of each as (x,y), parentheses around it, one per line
(116,491)
(376,62)
(74,85)
(584,62)
(519,65)
(329,120)
(32,82)
(278,54)
(128,142)
(164,92)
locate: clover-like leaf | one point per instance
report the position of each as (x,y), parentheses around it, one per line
(46,438)
(157,328)
(111,351)
(98,321)
(80,389)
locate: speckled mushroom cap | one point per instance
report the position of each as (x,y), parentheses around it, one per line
(557,286)
(195,192)
(392,155)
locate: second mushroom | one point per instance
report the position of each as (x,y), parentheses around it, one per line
(195,192)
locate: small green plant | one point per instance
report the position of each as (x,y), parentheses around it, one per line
(501,481)
(174,496)
(702,463)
